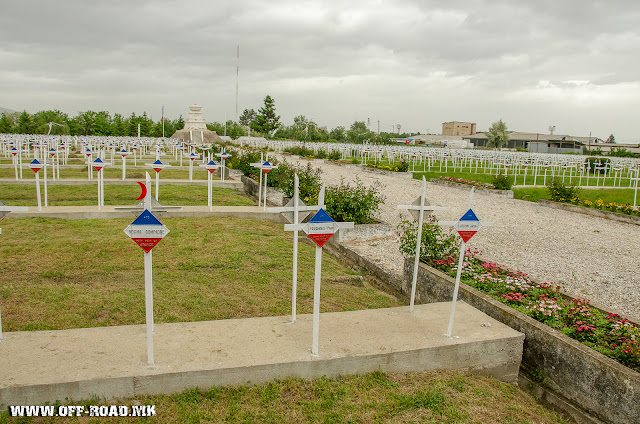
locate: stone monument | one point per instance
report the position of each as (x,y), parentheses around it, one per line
(195,130)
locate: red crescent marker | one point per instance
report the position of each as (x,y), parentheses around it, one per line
(144,191)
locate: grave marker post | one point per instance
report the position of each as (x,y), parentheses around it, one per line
(467,227)
(98,165)
(210,167)
(258,165)
(158,166)
(635,190)
(320,229)
(147,231)
(35,166)
(417,210)
(223,157)
(296,206)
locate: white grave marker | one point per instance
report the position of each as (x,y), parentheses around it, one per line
(147,231)
(158,166)
(211,167)
(320,229)
(98,165)
(35,166)
(291,212)
(417,210)
(124,154)
(467,227)
(223,157)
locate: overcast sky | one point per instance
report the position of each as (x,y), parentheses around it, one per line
(572,64)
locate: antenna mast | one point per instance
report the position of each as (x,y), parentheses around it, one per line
(237,76)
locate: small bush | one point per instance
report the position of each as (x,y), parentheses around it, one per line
(437,244)
(561,192)
(404,165)
(501,182)
(591,163)
(335,155)
(357,203)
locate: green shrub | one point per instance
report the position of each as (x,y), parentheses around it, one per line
(590,162)
(404,165)
(242,160)
(282,178)
(353,203)
(502,182)
(437,244)
(561,192)
(335,155)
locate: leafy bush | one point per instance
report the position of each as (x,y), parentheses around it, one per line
(561,192)
(590,162)
(242,160)
(353,203)
(335,155)
(282,178)
(404,165)
(300,151)
(501,182)
(437,246)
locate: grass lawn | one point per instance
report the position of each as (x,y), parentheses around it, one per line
(199,173)
(434,397)
(620,196)
(87,195)
(60,274)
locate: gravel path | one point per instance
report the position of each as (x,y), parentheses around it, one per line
(592,257)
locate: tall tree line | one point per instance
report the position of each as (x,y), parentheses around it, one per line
(86,123)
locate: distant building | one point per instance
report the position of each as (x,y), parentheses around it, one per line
(458,128)
(536,142)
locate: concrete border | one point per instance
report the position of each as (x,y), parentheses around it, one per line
(591,383)
(613,216)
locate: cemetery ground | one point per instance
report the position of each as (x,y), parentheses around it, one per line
(61,274)
(86,194)
(80,172)
(433,397)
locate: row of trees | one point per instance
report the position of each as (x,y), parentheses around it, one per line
(264,122)
(86,123)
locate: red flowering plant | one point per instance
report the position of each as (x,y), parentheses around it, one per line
(611,335)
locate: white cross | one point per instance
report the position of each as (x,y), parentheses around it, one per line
(309,228)
(466,228)
(635,191)
(420,205)
(291,212)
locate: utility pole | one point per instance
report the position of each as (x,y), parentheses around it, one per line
(237,77)
(378,127)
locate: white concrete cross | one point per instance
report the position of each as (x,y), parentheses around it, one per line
(36,166)
(4,210)
(124,155)
(158,166)
(635,190)
(223,157)
(210,167)
(291,212)
(147,231)
(258,165)
(417,210)
(467,227)
(99,165)
(320,229)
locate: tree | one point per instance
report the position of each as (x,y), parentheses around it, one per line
(611,139)
(338,134)
(25,124)
(358,133)
(247,117)
(266,120)
(497,136)
(6,124)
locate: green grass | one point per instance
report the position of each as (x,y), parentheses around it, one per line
(87,195)
(59,274)
(620,196)
(435,397)
(199,173)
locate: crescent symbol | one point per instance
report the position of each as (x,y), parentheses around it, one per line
(144,191)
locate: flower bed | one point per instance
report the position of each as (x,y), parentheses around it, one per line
(609,334)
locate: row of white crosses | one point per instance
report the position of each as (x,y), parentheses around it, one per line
(467,227)
(4,210)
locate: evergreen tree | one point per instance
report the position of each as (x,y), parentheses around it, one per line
(6,124)
(611,139)
(25,123)
(266,120)
(247,117)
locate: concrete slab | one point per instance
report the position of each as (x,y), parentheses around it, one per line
(111,362)
(227,183)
